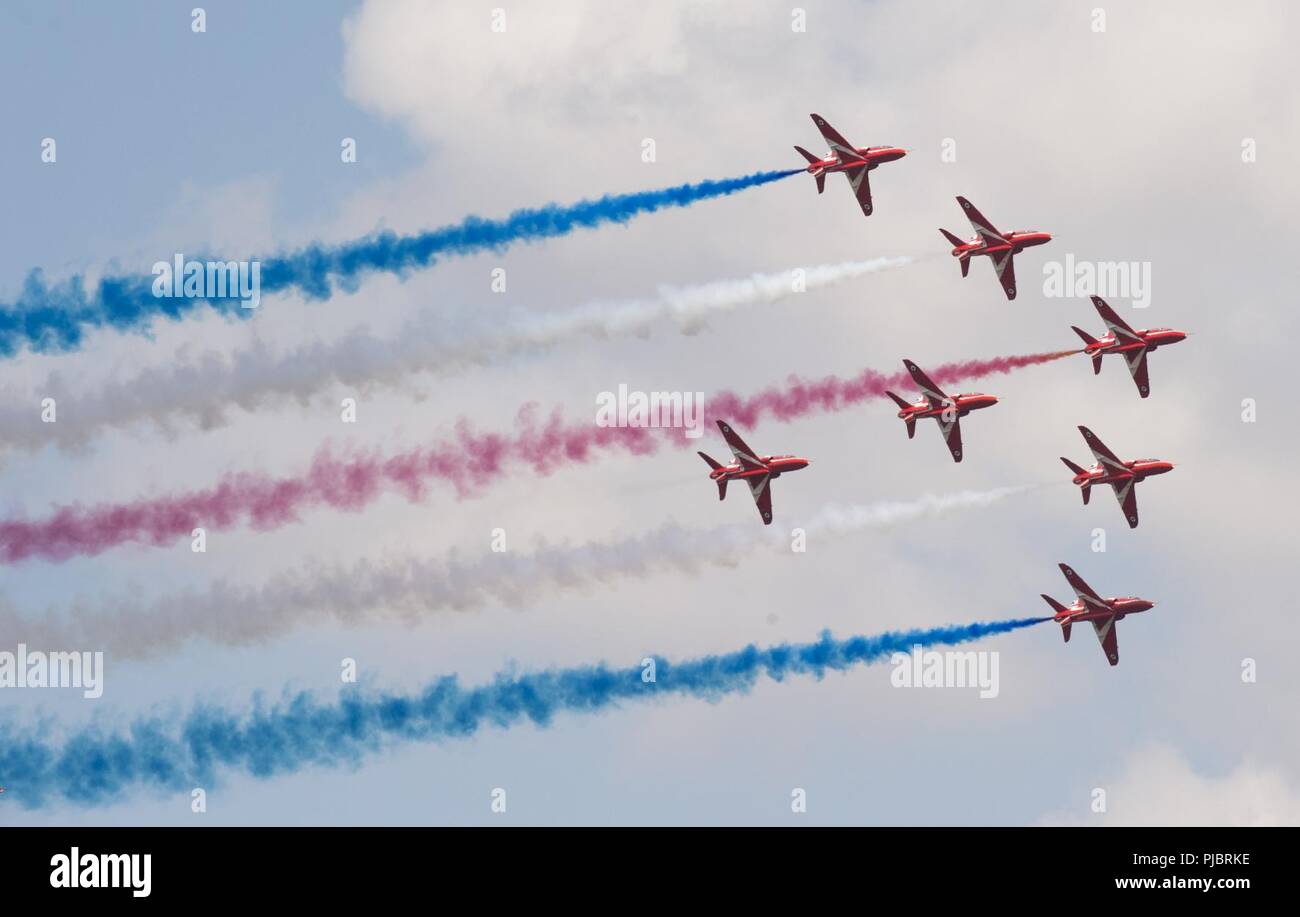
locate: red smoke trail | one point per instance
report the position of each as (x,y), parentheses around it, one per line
(798,397)
(468,461)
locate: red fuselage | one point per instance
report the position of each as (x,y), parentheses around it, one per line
(871,155)
(1138,469)
(1117,608)
(775,465)
(1016,243)
(1151,338)
(963,404)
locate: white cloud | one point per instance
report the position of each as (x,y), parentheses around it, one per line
(1158,786)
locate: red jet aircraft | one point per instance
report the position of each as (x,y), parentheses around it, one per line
(755,470)
(1122,476)
(1132,345)
(1102,613)
(947,410)
(1000,247)
(854,162)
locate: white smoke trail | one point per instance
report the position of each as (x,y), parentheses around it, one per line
(201,391)
(880,515)
(411,588)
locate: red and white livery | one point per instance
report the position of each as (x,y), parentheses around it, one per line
(1101,613)
(1132,345)
(1000,247)
(757,471)
(1123,477)
(854,162)
(947,410)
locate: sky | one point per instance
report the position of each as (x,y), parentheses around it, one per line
(1125,137)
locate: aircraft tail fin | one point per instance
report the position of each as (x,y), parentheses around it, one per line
(910,419)
(818,174)
(806,155)
(1089,340)
(1084,336)
(1086,487)
(722,482)
(1059,609)
(961,259)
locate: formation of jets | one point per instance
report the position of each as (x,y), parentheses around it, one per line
(1132,345)
(1101,613)
(758,471)
(947,410)
(854,162)
(999,247)
(1122,476)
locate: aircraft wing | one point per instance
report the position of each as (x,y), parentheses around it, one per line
(952,435)
(987,231)
(1108,639)
(861,187)
(761,488)
(1005,265)
(932,392)
(843,150)
(746,456)
(1126,494)
(1137,367)
(1082,589)
(1103,455)
(1117,325)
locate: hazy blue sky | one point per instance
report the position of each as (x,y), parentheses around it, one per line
(1126,144)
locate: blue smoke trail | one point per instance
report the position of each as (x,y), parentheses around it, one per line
(55,318)
(92,767)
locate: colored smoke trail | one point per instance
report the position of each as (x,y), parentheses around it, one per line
(469,462)
(799,397)
(55,318)
(93,765)
(199,389)
(411,588)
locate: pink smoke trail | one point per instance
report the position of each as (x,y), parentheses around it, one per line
(469,461)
